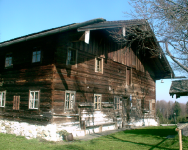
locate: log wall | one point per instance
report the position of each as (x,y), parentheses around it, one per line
(83,79)
(23,76)
(53,77)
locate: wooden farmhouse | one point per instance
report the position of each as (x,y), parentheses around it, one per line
(179,88)
(83,78)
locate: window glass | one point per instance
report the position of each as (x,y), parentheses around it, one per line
(99,65)
(69,99)
(34,100)
(97,101)
(36,56)
(71,57)
(8,61)
(2,98)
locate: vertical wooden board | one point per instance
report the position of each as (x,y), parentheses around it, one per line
(122,57)
(96,46)
(125,56)
(14,101)
(137,63)
(119,53)
(111,51)
(130,62)
(91,47)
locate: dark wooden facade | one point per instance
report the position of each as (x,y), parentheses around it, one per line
(124,72)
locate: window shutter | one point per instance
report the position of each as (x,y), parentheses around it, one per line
(16,102)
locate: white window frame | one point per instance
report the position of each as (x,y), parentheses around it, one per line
(97,104)
(68,104)
(8,61)
(116,102)
(99,64)
(68,60)
(32,101)
(2,98)
(35,57)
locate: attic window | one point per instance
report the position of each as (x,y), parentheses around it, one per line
(8,60)
(36,56)
(99,65)
(71,57)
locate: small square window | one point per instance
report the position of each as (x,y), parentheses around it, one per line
(99,65)
(34,97)
(97,101)
(69,99)
(2,98)
(71,57)
(8,60)
(116,102)
(36,56)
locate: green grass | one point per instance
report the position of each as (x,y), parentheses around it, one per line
(152,138)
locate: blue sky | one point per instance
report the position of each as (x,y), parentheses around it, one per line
(22,17)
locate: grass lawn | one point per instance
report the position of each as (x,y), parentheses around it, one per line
(152,138)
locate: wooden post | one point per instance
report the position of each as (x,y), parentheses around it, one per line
(180,140)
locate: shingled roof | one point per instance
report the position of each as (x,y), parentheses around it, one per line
(179,88)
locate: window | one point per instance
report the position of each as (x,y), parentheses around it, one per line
(116,102)
(2,98)
(34,97)
(8,60)
(152,105)
(36,56)
(99,65)
(128,77)
(71,56)
(16,102)
(69,99)
(97,101)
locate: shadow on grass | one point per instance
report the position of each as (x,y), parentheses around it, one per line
(63,147)
(143,144)
(154,132)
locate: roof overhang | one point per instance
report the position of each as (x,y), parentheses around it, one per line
(50,32)
(179,88)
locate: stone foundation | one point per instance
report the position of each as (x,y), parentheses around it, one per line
(49,132)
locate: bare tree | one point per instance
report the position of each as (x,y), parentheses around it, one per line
(169,21)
